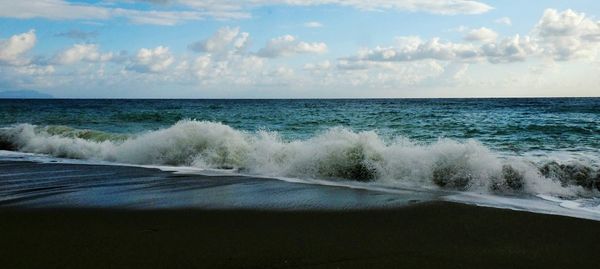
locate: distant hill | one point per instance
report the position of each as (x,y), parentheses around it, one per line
(24,94)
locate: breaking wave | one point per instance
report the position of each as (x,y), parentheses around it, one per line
(337,154)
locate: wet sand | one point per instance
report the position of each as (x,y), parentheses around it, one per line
(428,235)
(97,216)
(26,184)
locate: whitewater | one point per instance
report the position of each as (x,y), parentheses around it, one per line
(467,170)
(534,154)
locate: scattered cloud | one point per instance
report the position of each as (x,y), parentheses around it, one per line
(186,10)
(152,60)
(381,75)
(510,49)
(481,35)
(504,21)
(313,24)
(561,36)
(568,34)
(82,52)
(224,39)
(225,61)
(65,10)
(324,65)
(445,7)
(52,9)
(289,45)
(167,18)
(13,49)
(17,69)
(413,48)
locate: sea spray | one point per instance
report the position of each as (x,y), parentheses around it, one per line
(335,154)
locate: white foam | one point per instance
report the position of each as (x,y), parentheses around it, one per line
(544,204)
(540,203)
(336,153)
(207,148)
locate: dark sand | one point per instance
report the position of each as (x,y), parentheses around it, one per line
(58,185)
(429,235)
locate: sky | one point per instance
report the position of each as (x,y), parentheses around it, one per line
(300,48)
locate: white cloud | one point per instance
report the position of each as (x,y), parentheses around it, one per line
(559,35)
(414,49)
(510,49)
(82,52)
(242,41)
(223,66)
(224,39)
(384,75)
(152,60)
(51,9)
(166,17)
(504,21)
(313,24)
(283,71)
(289,45)
(35,70)
(17,70)
(223,9)
(324,65)
(235,69)
(408,49)
(459,29)
(224,60)
(64,10)
(568,34)
(445,7)
(481,35)
(13,49)
(354,64)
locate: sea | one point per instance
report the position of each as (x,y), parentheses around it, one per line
(533,154)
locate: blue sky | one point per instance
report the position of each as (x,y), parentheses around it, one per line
(300,49)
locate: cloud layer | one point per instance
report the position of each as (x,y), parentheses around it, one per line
(227,61)
(568,34)
(559,35)
(13,50)
(82,52)
(187,10)
(224,39)
(288,45)
(152,60)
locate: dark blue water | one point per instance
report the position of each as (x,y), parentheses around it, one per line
(540,145)
(514,125)
(540,154)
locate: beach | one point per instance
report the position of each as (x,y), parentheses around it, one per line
(427,183)
(67,215)
(60,184)
(299,134)
(429,235)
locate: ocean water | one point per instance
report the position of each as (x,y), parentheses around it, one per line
(516,153)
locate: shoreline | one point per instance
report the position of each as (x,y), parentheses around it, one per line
(426,235)
(67,185)
(61,215)
(32,183)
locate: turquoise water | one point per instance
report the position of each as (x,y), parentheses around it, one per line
(512,125)
(503,146)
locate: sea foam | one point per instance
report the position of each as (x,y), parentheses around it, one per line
(336,154)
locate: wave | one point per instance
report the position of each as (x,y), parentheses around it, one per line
(336,154)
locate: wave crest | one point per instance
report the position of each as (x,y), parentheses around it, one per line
(338,153)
